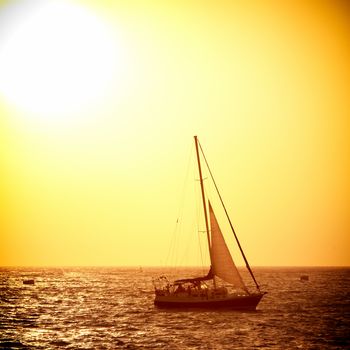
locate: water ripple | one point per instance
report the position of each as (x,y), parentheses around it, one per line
(111,308)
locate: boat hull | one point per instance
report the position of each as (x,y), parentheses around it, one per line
(241,302)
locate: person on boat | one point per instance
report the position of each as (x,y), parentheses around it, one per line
(180,289)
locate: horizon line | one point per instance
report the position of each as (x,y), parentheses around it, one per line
(165,267)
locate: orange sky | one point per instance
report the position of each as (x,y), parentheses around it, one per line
(99,102)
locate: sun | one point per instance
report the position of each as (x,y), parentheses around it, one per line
(57,58)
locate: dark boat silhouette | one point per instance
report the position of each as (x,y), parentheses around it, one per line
(223,286)
(28,281)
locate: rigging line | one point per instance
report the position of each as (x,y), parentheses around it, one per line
(174,245)
(188,246)
(185,183)
(229,220)
(170,255)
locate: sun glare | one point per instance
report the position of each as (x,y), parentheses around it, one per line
(57,58)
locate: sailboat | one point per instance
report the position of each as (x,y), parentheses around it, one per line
(222,287)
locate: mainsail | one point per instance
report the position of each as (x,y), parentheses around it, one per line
(222,263)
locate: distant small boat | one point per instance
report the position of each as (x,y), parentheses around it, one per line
(30,281)
(304,278)
(223,286)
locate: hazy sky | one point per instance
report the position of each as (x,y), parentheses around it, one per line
(99,102)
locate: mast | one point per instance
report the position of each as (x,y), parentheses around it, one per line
(203,198)
(229,220)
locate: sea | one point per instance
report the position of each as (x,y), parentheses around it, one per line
(112,308)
